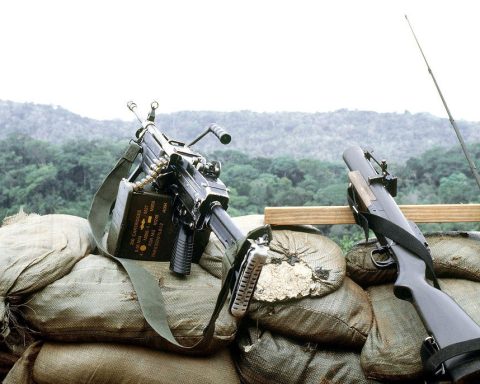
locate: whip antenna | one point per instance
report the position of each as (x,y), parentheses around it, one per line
(452,121)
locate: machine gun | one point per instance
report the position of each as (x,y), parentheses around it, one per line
(452,349)
(168,214)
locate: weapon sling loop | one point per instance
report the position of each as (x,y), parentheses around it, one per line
(433,361)
(146,286)
(388,229)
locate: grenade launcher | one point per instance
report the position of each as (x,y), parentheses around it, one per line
(452,350)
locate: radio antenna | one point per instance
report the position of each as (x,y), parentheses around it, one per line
(452,121)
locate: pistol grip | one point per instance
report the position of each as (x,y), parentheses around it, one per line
(181,259)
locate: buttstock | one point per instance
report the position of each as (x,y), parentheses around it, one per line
(445,321)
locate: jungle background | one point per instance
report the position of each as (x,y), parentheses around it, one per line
(53,161)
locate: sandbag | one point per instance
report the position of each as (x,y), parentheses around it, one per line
(454,254)
(99,363)
(21,372)
(264,357)
(96,302)
(392,349)
(34,252)
(7,360)
(301,262)
(342,318)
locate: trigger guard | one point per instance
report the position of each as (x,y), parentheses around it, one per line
(382,264)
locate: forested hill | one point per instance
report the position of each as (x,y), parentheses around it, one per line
(322,136)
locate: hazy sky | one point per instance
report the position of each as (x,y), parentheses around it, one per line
(91,57)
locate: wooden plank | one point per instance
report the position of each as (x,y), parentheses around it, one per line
(433,213)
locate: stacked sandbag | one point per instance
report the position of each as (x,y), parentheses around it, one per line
(60,363)
(301,262)
(307,340)
(34,252)
(54,288)
(307,321)
(392,349)
(264,357)
(96,302)
(7,360)
(341,318)
(454,255)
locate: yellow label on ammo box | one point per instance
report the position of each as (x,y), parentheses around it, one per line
(142,225)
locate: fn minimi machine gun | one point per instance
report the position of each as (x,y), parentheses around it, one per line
(452,350)
(169,213)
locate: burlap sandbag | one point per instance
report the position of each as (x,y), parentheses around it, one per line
(265,358)
(454,254)
(7,360)
(21,372)
(392,350)
(100,363)
(96,302)
(34,252)
(301,262)
(342,318)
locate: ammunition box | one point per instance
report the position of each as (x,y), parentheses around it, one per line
(141,226)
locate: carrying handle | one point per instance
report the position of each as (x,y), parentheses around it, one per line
(221,133)
(218,131)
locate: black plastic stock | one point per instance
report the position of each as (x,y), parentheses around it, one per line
(442,317)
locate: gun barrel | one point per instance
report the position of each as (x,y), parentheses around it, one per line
(442,317)
(223,226)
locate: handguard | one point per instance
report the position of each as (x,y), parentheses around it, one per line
(248,277)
